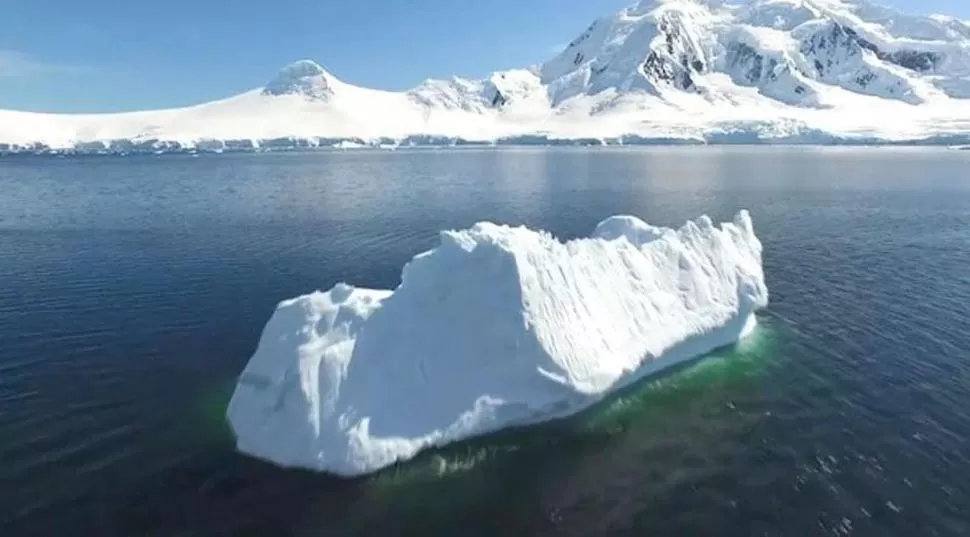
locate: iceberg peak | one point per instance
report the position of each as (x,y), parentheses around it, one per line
(495,327)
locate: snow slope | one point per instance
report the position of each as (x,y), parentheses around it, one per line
(816,71)
(496,326)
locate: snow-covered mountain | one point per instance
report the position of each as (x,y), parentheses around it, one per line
(810,71)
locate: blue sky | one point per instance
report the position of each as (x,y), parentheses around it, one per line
(106,55)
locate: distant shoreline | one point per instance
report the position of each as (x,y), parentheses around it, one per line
(166,147)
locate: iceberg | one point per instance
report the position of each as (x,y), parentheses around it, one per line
(495,327)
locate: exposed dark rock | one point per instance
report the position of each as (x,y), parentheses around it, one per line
(740,54)
(659,68)
(772,73)
(914,60)
(865,78)
(665,65)
(835,38)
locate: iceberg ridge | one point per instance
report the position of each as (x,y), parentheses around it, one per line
(496,326)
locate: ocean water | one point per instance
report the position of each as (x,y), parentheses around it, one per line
(134,290)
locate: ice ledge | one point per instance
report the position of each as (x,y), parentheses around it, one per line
(743,133)
(497,326)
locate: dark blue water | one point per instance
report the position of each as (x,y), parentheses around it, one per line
(132,291)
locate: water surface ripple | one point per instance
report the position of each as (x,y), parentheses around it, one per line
(136,289)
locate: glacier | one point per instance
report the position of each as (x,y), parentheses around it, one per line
(495,327)
(659,71)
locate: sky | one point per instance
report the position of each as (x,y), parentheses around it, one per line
(113,55)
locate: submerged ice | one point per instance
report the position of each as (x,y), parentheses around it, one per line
(496,326)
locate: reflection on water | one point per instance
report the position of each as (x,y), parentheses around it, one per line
(489,473)
(711,377)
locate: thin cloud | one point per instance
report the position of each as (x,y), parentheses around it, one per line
(16,64)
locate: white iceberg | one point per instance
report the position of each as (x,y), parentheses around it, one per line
(497,326)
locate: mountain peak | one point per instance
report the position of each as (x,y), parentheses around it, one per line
(303,77)
(712,70)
